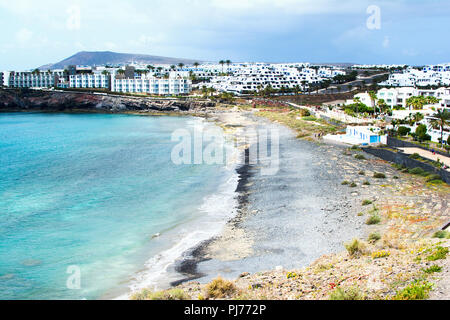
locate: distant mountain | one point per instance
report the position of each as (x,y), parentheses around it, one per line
(98,58)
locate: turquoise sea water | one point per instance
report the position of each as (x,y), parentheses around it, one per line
(90,191)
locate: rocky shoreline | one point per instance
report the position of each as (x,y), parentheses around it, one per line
(55,101)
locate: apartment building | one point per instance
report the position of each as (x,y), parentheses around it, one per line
(90,80)
(35,79)
(438,75)
(254,77)
(152,85)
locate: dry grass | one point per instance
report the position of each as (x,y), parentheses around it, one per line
(173,294)
(220,288)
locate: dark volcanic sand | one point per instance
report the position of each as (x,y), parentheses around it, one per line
(294,216)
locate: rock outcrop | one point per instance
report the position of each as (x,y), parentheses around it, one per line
(35,100)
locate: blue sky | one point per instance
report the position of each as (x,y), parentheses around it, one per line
(410,31)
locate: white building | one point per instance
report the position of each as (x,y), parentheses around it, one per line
(359,135)
(244,78)
(90,80)
(399,96)
(152,85)
(38,79)
(364,98)
(438,75)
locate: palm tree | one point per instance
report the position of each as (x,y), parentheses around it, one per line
(181,65)
(440,121)
(221,62)
(196,64)
(357,101)
(173,67)
(228,62)
(417,117)
(374,98)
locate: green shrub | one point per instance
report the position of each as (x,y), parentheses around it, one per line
(362,173)
(441,234)
(373,219)
(435,182)
(379,175)
(345,183)
(355,147)
(220,288)
(403,131)
(366,183)
(416,171)
(415,291)
(432,269)
(395,177)
(355,248)
(366,202)
(353,293)
(415,156)
(291,275)
(433,177)
(374,237)
(438,254)
(353,185)
(360,157)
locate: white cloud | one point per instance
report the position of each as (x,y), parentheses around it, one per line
(23,36)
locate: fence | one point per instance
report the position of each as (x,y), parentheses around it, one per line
(405,160)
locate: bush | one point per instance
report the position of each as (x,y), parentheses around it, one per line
(347,294)
(353,185)
(366,202)
(416,171)
(220,288)
(434,177)
(415,156)
(362,173)
(355,248)
(421,130)
(345,183)
(379,175)
(373,219)
(433,269)
(173,294)
(291,275)
(415,291)
(360,157)
(403,131)
(441,234)
(380,254)
(374,237)
(366,183)
(438,254)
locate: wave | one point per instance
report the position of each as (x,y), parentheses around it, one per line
(215,212)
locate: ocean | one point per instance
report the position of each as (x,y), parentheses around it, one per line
(91,205)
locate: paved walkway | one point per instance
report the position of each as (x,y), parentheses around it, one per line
(428,155)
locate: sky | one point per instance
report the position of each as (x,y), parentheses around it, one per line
(412,32)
